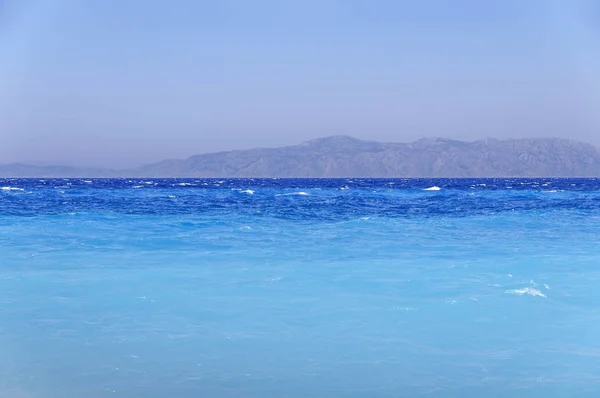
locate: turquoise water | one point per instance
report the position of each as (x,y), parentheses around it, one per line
(299,288)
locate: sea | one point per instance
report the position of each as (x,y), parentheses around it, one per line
(185,288)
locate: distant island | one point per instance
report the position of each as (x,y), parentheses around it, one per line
(343,156)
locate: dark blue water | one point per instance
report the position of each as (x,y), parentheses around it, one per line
(300,288)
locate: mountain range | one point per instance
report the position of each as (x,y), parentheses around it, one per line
(343,156)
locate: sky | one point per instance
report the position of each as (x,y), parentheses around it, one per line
(128,82)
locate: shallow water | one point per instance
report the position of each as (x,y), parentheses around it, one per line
(299,288)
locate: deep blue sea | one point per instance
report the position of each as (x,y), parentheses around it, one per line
(299,288)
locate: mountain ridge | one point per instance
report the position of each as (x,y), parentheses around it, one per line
(346,156)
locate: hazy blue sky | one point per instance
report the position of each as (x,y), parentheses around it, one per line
(125,82)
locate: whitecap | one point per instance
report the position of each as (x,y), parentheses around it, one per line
(432,189)
(527,290)
(248,191)
(11,189)
(293,193)
(137,186)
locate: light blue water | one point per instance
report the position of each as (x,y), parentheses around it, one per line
(299,288)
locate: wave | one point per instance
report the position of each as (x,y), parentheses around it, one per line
(526,290)
(301,193)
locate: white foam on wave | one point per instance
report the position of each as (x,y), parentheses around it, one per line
(185,184)
(432,189)
(137,186)
(527,290)
(12,189)
(293,193)
(248,191)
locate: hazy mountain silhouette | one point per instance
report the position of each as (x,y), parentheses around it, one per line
(343,156)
